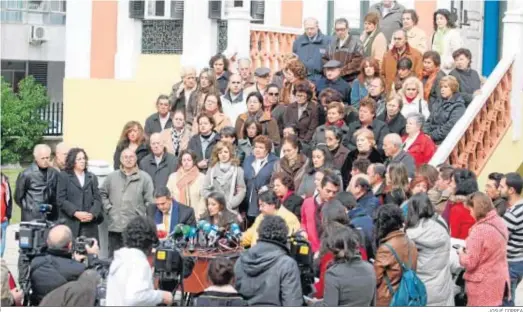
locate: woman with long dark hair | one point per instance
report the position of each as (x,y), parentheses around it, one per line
(251,129)
(78,196)
(390,237)
(132,137)
(321,159)
(294,162)
(431,236)
(397,184)
(217,212)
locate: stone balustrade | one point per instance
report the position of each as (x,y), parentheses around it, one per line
(269,44)
(486,120)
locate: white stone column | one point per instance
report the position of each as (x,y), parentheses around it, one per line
(239,30)
(128,43)
(512,39)
(78,26)
(197,34)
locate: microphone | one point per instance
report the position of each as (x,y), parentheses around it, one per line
(202,241)
(235,231)
(213,235)
(178,232)
(191,237)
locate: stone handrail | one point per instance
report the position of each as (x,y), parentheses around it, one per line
(487,118)
(269,44)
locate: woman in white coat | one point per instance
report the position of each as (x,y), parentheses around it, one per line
(412,98)
(431,236)
(446,38)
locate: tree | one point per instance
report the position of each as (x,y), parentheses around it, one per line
(22,127)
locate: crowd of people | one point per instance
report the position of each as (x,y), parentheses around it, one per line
(335,147)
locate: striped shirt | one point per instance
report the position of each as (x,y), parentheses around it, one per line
(514,219)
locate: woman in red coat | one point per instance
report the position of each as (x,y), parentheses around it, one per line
(417,143)
(485,255)
(464,183)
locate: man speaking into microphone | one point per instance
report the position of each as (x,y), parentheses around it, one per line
(168,212)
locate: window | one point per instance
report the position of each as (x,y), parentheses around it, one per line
(164,9)
(14,71)
(52,12)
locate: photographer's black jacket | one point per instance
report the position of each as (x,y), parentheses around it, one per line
(52,270)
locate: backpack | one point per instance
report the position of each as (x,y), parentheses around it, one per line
(411,291)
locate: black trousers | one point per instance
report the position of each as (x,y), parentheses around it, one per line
(115,242)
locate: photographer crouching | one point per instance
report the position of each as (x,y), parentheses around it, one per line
(58,264)
(130,279)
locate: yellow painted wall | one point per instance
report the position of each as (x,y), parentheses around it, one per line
(96,110)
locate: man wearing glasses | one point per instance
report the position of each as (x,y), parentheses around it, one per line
(346,49)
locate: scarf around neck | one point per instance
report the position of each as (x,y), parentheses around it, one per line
(184,181)
(431,78)
(338,123)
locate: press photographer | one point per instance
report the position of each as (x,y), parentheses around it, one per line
(58,264)
(130,279)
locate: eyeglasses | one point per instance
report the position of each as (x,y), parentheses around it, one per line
(340,29)
(235,82)
(273,94)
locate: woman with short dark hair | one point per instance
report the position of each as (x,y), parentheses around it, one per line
(463,182)
(431,77)
(220,64)
(446,38)
(468,78)
(283,187)
(221,293)
(203,142)
(78,196)
(431,236)
(302,112)
(404,71)
(416,37)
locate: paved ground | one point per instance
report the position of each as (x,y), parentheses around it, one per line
(11,256)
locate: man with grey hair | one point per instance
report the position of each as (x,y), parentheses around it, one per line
(58,265)
(36,186)
(245,71)
(183,95)
(126,193)
(310,48)
(347,49)
(392,146)
(60,155)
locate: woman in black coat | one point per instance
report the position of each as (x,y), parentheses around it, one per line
(206,133)
(365,149)
(283,186)
(392,116)
(468,78)
(78,196)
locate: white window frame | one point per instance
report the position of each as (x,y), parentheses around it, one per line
(167,12)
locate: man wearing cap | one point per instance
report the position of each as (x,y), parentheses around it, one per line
(310,48)
(332,79)
(262,78)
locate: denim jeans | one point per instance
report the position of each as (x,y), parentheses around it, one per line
(2,244)
(515,270)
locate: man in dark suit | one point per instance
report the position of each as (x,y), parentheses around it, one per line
(169,212)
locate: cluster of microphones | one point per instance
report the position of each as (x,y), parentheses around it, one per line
(206,235)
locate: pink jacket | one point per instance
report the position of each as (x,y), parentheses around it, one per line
(308,222)
(485,261)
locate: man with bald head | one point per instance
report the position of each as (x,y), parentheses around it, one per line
(36,185)
(233,101)
(60,156)
(393,148)
(58,265)
(310,48)
(159,164)
(127,193)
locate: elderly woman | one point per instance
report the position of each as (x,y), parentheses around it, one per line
(412,98)
(176,138)
(213,108)
(321,159)
(416,37)
(446,38)
(295,73)
(283,187)
(389,238)
(370,68)
(217,212)
(419,145)
(270,128)
(220,64)
(203,142)
(257,169)
(294,163)
(207,84)
(367,114)
(303,112)
(335,115)
(431,77)
(374,41)
(404,71)
(132,137)
(468,78)
(185,184)
(392,116)
(485,255)
(430,234)
(446,112)
(225,176)
(365,149)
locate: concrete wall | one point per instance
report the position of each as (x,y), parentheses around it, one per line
(97,109)
(15,43)
(55,81)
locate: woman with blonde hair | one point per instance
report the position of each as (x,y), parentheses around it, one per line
(132,137)
(225,176)
(213,108)
(365,149)
(295,74)
(411,95)
(206,84)
(185,184)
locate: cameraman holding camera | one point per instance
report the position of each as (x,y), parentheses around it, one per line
(58,264)
(130,279)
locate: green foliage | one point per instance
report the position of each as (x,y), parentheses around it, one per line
(22,127)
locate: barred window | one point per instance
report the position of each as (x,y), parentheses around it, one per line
(162,37)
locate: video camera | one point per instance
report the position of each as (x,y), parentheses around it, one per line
(300,250)
(32,234)
(170,265)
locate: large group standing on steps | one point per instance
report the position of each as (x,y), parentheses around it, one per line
(335,145)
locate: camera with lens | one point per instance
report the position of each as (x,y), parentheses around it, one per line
(80,243)
(32,235)
(170,266)
(300,250)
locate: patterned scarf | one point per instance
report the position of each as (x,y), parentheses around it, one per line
(431,77)
(338,123)
(176,137)
(185,180)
